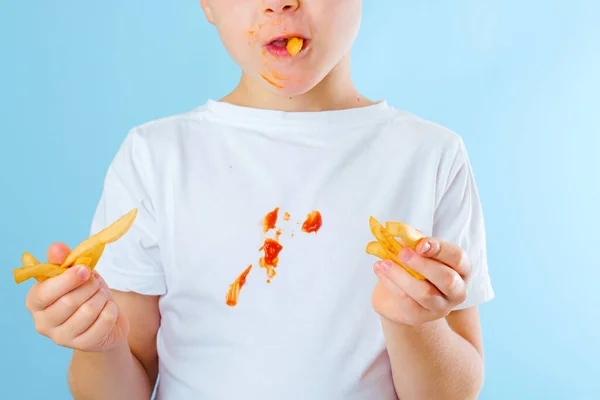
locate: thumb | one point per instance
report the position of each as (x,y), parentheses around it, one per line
(57,253)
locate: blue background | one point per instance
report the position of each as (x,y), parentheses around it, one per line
(520,81)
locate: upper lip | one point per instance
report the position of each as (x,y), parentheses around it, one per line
(286,36)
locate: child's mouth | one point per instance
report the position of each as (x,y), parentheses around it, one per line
(287,46)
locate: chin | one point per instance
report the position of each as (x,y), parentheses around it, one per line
(292,87)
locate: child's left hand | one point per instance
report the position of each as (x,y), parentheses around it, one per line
(402,299)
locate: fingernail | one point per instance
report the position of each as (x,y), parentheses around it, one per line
(425,247)
(377,267)
(97,276)
(405,254)
(83,272)
(386,265)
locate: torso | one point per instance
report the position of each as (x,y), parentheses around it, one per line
(311,333)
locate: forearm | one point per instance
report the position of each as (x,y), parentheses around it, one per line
(432,362)
(115,375)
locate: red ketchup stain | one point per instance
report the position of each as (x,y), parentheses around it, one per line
(313,222)
(234,289)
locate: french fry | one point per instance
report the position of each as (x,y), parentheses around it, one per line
(385,238)
(90,257)
(42,270)
(377,250)
(409,235)
(294,45)
(387,247)
(83,261)
(108,235)
(28,260)
(87,252)
(95,255)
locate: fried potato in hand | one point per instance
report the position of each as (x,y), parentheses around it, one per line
(402,299)
(387,246)
(87,252)
(75,309)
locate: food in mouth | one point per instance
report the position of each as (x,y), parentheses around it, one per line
(286,46)
(294,45)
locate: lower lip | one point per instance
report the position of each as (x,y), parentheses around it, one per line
(283,52)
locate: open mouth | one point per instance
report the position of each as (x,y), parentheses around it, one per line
(287,45)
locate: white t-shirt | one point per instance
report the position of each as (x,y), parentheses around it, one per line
(203,182)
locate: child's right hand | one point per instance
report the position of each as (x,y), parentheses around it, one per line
(76,309)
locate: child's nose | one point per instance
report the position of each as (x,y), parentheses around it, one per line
(280,6)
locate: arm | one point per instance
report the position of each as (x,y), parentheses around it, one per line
(134,273)
(432,327)
(129,371)
(439,360)
(435,348)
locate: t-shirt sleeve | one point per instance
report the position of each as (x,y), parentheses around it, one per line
(132,263)
(458,219)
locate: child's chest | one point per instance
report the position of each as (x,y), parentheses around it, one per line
(213,223)
(311,281)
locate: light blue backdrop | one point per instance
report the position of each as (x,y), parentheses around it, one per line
(519,80)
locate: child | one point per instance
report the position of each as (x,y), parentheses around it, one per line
(245,274)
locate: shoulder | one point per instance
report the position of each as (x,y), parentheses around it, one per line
(167,129)
(433,146)
(425,133)
(147,147)
(155,141)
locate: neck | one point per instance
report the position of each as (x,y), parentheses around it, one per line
(335,92)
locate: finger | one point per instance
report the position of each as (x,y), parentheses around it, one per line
(423,292)
(97,333)
(82,319)
(103,283)
(391,287)
(61,310)
(408,310)
(446,253)
(57,253)
(447,280)
(47,292)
